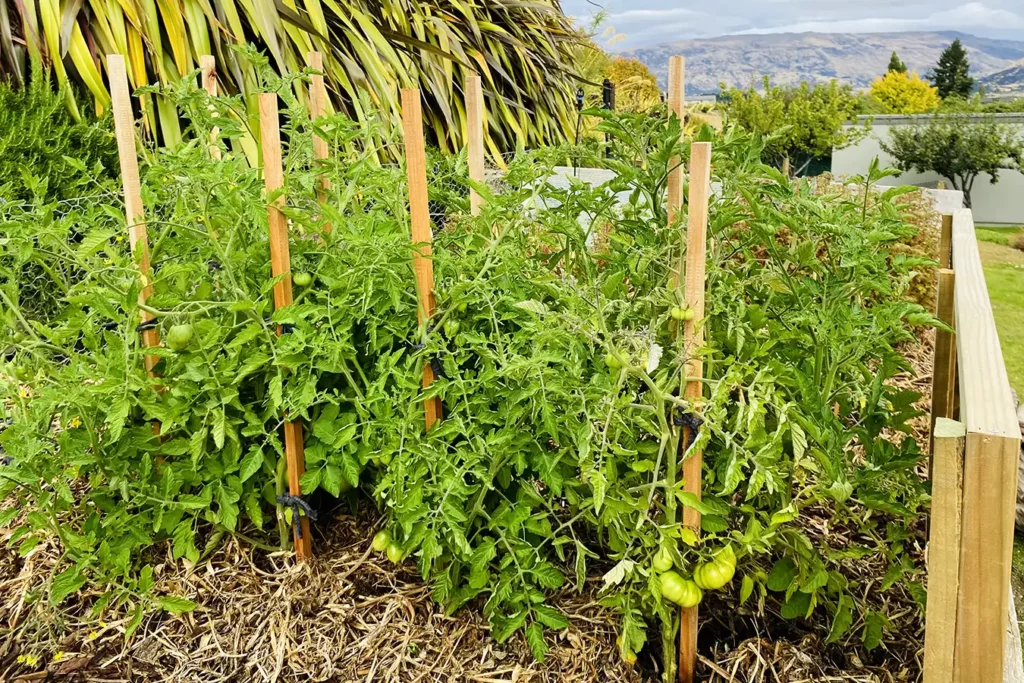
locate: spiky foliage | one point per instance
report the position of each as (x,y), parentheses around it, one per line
(371,48)
(38,137)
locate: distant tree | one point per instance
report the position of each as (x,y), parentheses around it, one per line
(900,92)
(636,88)
(799,123)
(896,64)
(958,147)
(950,76)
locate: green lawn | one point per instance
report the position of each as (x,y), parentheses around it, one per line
(1004,273)
(996,234)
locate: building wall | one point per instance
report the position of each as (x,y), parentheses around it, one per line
(1002,202)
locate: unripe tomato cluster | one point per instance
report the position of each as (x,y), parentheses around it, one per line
(679,313)
(383,543)
(711,575)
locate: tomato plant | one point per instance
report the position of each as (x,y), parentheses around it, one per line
(558,361)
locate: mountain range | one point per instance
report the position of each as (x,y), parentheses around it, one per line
(854,58)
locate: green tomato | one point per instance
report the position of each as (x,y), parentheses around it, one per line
(302,279)
(672,586)
(382,540)
(677,313)
(683,592)
(612,361)
(462,307)
(689,314)
(395,553)
(714,575)
(662,560)
(451,328)
(178,337)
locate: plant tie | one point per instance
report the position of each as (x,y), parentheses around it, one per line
(691,420)
(298,507)
(147,324)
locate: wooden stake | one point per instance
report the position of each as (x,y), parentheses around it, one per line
(317,108)
(124,131)
(419,220)
(209,66)
(693,339)
(280,264)
(475,138)
(944,550)
(676,104)
(944,364)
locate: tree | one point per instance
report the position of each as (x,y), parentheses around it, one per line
(636,88)
(958,147)
(799,123)
(950,76)
(896,64)
(904,93)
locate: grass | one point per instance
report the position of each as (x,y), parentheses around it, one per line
(1004,274)
(997,234)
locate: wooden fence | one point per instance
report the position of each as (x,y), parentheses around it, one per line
(971,631)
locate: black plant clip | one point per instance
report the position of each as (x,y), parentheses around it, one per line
(299,507)
(147,325)
(435,365)
(287,328)
(691,420)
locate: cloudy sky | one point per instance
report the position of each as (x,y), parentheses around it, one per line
(638,23)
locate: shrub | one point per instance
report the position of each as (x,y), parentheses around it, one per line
(37,133)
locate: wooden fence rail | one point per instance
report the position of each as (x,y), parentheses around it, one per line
(974,473)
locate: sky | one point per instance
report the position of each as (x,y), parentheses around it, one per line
(639,23)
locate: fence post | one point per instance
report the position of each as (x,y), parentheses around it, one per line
(280,265)
(946,241)
(693,339)
(676,97)
(944,363)
(209,66)
(944,550)
(475,138)
(991,462)
(317,108)
(124,131)
(419,222)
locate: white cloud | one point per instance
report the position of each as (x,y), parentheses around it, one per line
(647,22)
(972,15)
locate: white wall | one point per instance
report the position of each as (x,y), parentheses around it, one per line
(999,203)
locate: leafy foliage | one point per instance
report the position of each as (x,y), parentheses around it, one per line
(36,133)
(560,369)
(636,88)
(904,93)
(950,76)
(958,147)
(799,123)
(521,50)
